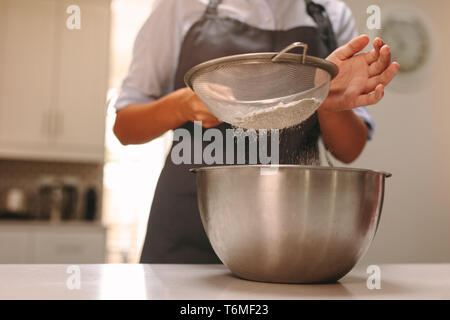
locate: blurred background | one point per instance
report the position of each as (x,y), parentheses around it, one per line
(70,193)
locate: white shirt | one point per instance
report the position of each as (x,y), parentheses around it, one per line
(158,43)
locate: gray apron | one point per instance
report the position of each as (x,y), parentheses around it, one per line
(175,233)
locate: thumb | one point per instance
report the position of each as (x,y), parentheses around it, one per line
(352,47)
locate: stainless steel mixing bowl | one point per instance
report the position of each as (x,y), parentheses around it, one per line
(294,225)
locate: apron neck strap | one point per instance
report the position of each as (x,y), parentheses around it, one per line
(319,15)
(211,9)
(316,11)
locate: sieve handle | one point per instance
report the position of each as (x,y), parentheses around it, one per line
(289,48)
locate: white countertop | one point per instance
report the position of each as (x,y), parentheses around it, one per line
(134,281)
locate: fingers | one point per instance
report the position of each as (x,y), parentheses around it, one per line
(371,98)
(352,47)
(374,54)
(205,116)
(383,61)
(207,120)
(198,111)
(210,124)
(385,78)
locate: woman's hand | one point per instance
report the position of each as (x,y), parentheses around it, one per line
(362,77)
(191,108)
(143,122)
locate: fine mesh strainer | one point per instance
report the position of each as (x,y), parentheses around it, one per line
(239,87)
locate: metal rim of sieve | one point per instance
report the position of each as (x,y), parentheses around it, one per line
(265,57)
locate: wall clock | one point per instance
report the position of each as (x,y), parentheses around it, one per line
(408,40)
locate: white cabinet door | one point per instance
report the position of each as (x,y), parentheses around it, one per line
(82,79)
(58,246)
(53,80)
(40,243)
(15,246)
(27,42)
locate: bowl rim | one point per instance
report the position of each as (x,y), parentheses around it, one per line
(291,166)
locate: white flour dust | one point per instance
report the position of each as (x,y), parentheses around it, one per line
(280,116)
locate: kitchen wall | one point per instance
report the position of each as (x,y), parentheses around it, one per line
(412,141)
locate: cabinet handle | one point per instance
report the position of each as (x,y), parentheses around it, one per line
(54,123)
(46,127)
(44,123)
(59,124)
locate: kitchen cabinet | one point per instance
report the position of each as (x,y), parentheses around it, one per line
(27,68)
(14,246)
(53,82)
(52,243)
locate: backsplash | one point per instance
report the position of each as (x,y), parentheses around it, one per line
(29,176)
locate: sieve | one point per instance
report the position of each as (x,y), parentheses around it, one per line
(237,86)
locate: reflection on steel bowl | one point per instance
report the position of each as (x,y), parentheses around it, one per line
(291,224)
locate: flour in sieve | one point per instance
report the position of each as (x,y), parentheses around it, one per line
(280,116)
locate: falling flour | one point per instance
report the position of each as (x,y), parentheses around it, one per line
(280,116)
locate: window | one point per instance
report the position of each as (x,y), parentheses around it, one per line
(131,172)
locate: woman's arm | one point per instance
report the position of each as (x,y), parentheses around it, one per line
(344,134)
(140,123)
(360,82)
